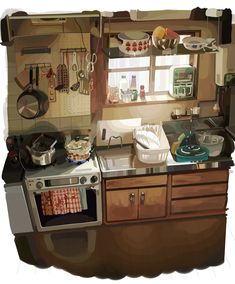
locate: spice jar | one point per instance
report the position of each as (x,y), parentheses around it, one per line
(142,92)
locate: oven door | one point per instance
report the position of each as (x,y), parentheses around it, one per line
(90,216)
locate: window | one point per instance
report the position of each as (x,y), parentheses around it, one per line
(150,71)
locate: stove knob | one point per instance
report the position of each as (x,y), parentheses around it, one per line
(39,185)
(94,179)
(83,180)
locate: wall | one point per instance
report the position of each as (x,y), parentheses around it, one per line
(70,111)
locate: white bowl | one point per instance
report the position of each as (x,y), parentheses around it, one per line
(194,43)
(214,143)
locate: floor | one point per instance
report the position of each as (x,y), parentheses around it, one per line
(15,269)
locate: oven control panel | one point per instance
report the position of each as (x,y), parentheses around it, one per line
(42,183)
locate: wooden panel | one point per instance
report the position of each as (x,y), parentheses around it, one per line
(199,204)
(206,83)
(200,177)
(199,190)
(152,202)
(120,206)
(136,182)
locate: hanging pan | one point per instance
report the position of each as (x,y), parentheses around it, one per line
(32,103)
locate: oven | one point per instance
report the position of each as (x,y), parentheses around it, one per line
(90,201)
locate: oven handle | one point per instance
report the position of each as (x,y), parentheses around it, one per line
(87,187)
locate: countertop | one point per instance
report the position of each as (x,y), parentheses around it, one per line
(118,162)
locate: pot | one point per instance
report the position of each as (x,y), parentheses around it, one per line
(214,143)
(78,150)
(32,103)
(134,43)
(42,151)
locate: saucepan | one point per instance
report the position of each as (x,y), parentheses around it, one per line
(32,103)
(42,150)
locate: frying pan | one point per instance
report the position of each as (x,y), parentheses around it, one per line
(32,103)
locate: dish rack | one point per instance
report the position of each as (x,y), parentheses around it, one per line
(152,156)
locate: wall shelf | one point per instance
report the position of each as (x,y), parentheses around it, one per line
(21,24)
(114,52)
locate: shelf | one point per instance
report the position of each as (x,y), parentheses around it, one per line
(179,50)
(23,25)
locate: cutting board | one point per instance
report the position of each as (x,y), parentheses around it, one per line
(120,127)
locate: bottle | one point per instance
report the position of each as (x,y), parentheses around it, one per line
(123,87)
(133,88)
(142,92)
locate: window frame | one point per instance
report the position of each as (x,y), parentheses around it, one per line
(193,60)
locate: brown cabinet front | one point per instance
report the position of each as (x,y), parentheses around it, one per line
(136,204)
(152,202)
(122,205)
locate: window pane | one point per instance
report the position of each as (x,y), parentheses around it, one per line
(142,78)
(172,60)
(129,62)
(161,80)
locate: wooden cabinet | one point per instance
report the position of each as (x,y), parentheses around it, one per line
(181,195)
(122,205)
(136,204)
(152,202)
(135,198)
(198,192)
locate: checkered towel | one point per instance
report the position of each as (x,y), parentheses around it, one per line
(61,201)
(46,203)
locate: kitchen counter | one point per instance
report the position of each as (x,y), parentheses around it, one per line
(124,162)
(121,162)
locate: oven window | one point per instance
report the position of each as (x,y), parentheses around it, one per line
(88,215)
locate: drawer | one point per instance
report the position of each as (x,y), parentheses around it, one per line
(198,204)
(200,177)
(199,190)
(136,182)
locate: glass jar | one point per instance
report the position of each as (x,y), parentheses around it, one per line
(142,92)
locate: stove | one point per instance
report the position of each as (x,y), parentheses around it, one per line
(60,177)
(87,173)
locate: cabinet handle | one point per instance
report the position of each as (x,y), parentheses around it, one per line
(132,197)
(142,197)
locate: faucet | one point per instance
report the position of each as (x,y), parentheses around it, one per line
(115,137)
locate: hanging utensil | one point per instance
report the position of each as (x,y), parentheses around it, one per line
(91,60)
(32,103)
(76,85)
(51,76)
(74,62)
(81,73)
(62,75)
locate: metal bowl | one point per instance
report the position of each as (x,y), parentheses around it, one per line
(165,43)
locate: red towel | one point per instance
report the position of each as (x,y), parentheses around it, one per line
(73,200)
(61,201)
(46,203)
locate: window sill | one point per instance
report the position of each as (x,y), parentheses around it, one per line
(161,98)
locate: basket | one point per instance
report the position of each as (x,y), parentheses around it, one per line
(152,156)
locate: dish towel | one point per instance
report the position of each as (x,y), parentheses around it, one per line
(46,203)
(73,200)
(61,201)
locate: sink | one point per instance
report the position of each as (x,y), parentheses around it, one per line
(116,159)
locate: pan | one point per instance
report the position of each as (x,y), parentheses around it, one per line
(32,103)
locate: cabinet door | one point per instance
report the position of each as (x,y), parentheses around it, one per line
(152,202)
(122,205)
